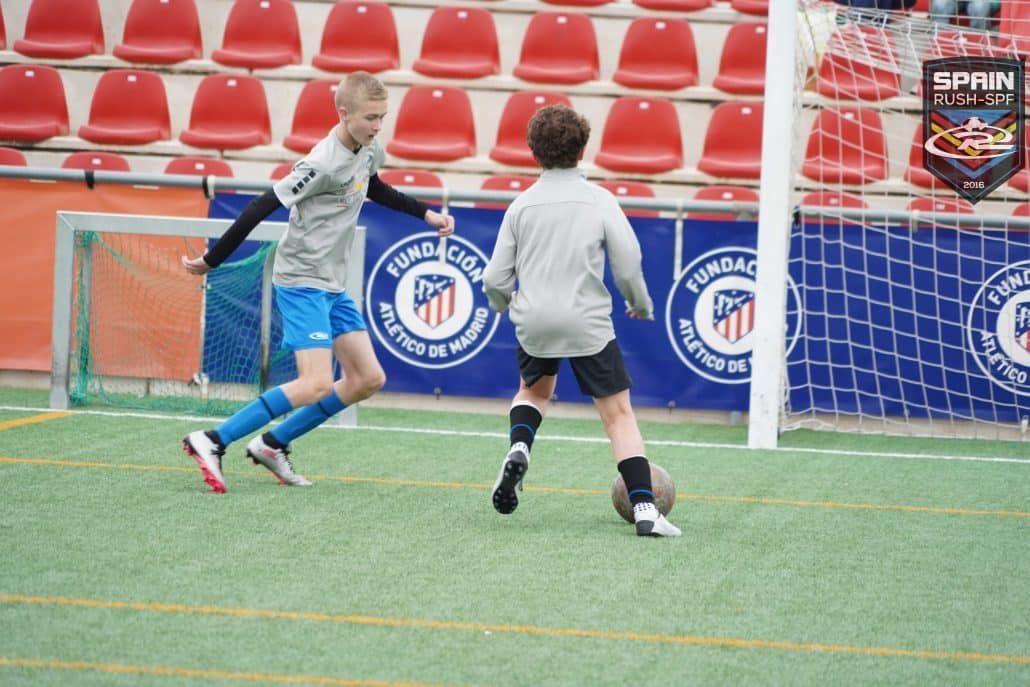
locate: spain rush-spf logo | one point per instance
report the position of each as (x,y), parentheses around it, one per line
(710,315)
(429,312)
(973,122)
(998,328)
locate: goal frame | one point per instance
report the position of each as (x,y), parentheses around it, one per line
(70,224)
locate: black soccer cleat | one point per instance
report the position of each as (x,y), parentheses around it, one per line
(509,481)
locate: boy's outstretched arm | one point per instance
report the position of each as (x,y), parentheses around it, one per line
(387,196)
(252,215)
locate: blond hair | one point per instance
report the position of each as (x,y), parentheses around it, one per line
(356,87)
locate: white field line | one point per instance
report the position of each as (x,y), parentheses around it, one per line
(208,420)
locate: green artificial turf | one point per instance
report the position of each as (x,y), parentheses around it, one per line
(796,566)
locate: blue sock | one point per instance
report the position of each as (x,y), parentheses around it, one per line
(254,415)
(307,418)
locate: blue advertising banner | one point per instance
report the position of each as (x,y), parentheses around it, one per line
(928,322)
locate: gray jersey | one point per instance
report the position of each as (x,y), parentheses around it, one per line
(324,192)
(553,240)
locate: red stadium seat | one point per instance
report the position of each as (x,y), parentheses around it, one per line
(129,107)
(742,65)
(631,189)
(658,54)
(281,170)
(3,31)
(675,5)
(161,32)
(504,182)
(957,205)
(846,146)
(760,7)
(418,178)
(1021,180)
(845,72)
(12,157)
(961,44)
(358,36)
(580,3)
(1014,27)
(229,112)
(729,194)
(199,166)
(511,148)
(314,116)
(559,47)
(641,135)
(434,123)
(1022,210)
(459,43)
(32,103)
(260,34)
(96,160)
(62,29)
(915,173)
(733,143)
(834,199)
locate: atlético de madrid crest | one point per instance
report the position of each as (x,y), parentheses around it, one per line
(429,312)
(710,314)
(998,328)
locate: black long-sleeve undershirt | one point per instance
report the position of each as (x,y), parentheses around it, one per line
(267,203)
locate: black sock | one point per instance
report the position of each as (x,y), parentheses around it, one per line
(213,436)
(636,473)
(271,441)
(525,420)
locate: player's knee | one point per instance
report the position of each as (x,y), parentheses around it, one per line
(371,382)
(615,412)
(375,381)
(318,388)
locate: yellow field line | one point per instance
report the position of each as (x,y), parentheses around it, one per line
(33,419)
(687,640)
(172,671)
(384,481)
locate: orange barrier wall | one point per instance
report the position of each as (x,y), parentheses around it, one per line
(27,220)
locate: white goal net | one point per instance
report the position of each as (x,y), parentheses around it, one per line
(907,306)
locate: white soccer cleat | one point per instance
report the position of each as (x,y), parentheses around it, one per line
(509,481)
(277,460)
(208,455)
(651,523)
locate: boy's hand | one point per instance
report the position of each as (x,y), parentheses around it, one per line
(195,265)
(444,223)
(633,315)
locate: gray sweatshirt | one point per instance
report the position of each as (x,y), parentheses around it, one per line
(553,241)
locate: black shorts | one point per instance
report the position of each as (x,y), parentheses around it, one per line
(599,375)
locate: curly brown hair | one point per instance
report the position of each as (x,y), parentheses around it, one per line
(557,135)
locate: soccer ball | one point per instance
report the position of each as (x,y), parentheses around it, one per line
(661,484)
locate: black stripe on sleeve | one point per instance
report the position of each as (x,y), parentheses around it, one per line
(387,196)
(252,215)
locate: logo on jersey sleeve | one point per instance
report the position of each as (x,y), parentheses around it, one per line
(710,315)
(998,328)
(427,312)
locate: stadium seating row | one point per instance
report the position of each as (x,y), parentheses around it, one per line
(458,42)
(435,123)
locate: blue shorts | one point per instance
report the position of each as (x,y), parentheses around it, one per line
(312,318)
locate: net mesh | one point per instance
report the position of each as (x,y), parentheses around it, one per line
(913,302)
(146,335)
